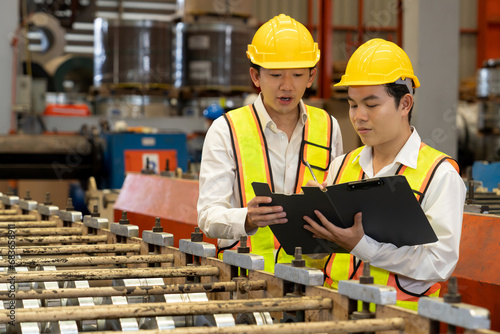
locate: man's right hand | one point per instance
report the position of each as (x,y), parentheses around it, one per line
(262,216)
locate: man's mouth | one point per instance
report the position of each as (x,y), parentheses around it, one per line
(363,130)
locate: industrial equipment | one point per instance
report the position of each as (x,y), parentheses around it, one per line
(132,52)
(488,92)
(50,156)
(132,152)
(68,273)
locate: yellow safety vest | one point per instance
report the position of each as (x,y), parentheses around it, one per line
(343,266)
(253,165)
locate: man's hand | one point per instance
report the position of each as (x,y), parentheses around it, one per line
(347,238)
(262,216)
(312,183)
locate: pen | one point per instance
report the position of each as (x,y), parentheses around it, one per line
(311,170)
(327,195)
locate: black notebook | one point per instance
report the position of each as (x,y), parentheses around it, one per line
(391,213)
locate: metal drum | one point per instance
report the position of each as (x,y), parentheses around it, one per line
(488,82)
(136,53)
(212,55)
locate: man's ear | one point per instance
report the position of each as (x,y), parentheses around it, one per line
(406,104)
(312,75)
(255,76)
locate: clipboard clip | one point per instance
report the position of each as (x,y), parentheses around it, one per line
(365,184)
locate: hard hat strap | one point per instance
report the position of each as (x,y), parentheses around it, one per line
(407,82)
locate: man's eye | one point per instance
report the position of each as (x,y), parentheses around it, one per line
(371,105)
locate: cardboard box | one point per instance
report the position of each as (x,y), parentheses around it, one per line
(58,189)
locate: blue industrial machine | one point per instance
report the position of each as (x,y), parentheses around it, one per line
(488,173)
(133,152)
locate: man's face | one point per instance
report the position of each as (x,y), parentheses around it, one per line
(282,89)
(375,117)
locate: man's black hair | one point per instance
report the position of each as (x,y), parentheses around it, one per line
(398,91)
(256,67)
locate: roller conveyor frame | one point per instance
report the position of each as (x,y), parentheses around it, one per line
(325,309)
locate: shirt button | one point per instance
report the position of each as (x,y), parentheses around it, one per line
(282,137)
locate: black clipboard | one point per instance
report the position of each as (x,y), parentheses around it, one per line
(391,213)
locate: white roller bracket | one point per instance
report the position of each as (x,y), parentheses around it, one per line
(452,311)
(297,272)
(242,257)
(196,246)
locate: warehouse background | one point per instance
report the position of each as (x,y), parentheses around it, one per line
(80,74)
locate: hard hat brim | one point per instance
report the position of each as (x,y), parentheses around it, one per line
(344,82)
(269,64)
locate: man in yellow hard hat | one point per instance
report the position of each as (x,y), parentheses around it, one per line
(381,82)
(267,141)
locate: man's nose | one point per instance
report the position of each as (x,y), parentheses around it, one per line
(359,114)
(286,83)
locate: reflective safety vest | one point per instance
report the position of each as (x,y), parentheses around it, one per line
(344,266)
(253,165)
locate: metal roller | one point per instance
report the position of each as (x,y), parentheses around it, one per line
(156,309)
(46,38)
(8,212)
(90,261)
(71,73)
(13,223)
(42,231)
(150,290)
(104,274)
(19,221)
(75,249)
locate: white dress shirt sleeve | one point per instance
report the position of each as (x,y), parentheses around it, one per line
(219,212)
(443,205)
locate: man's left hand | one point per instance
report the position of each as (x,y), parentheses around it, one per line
(347,238)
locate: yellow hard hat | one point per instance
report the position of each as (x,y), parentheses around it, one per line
(283,42)
(378,62)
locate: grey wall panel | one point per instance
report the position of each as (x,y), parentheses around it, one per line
(467,56)
(468,13)
(468,47)
(428,25)
(345,12)
(266,9)
(8,25)
(380,13)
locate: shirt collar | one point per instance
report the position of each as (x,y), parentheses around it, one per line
(408,155)
(265,119)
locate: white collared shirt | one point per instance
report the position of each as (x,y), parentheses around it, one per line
(418,266)
(220,213)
